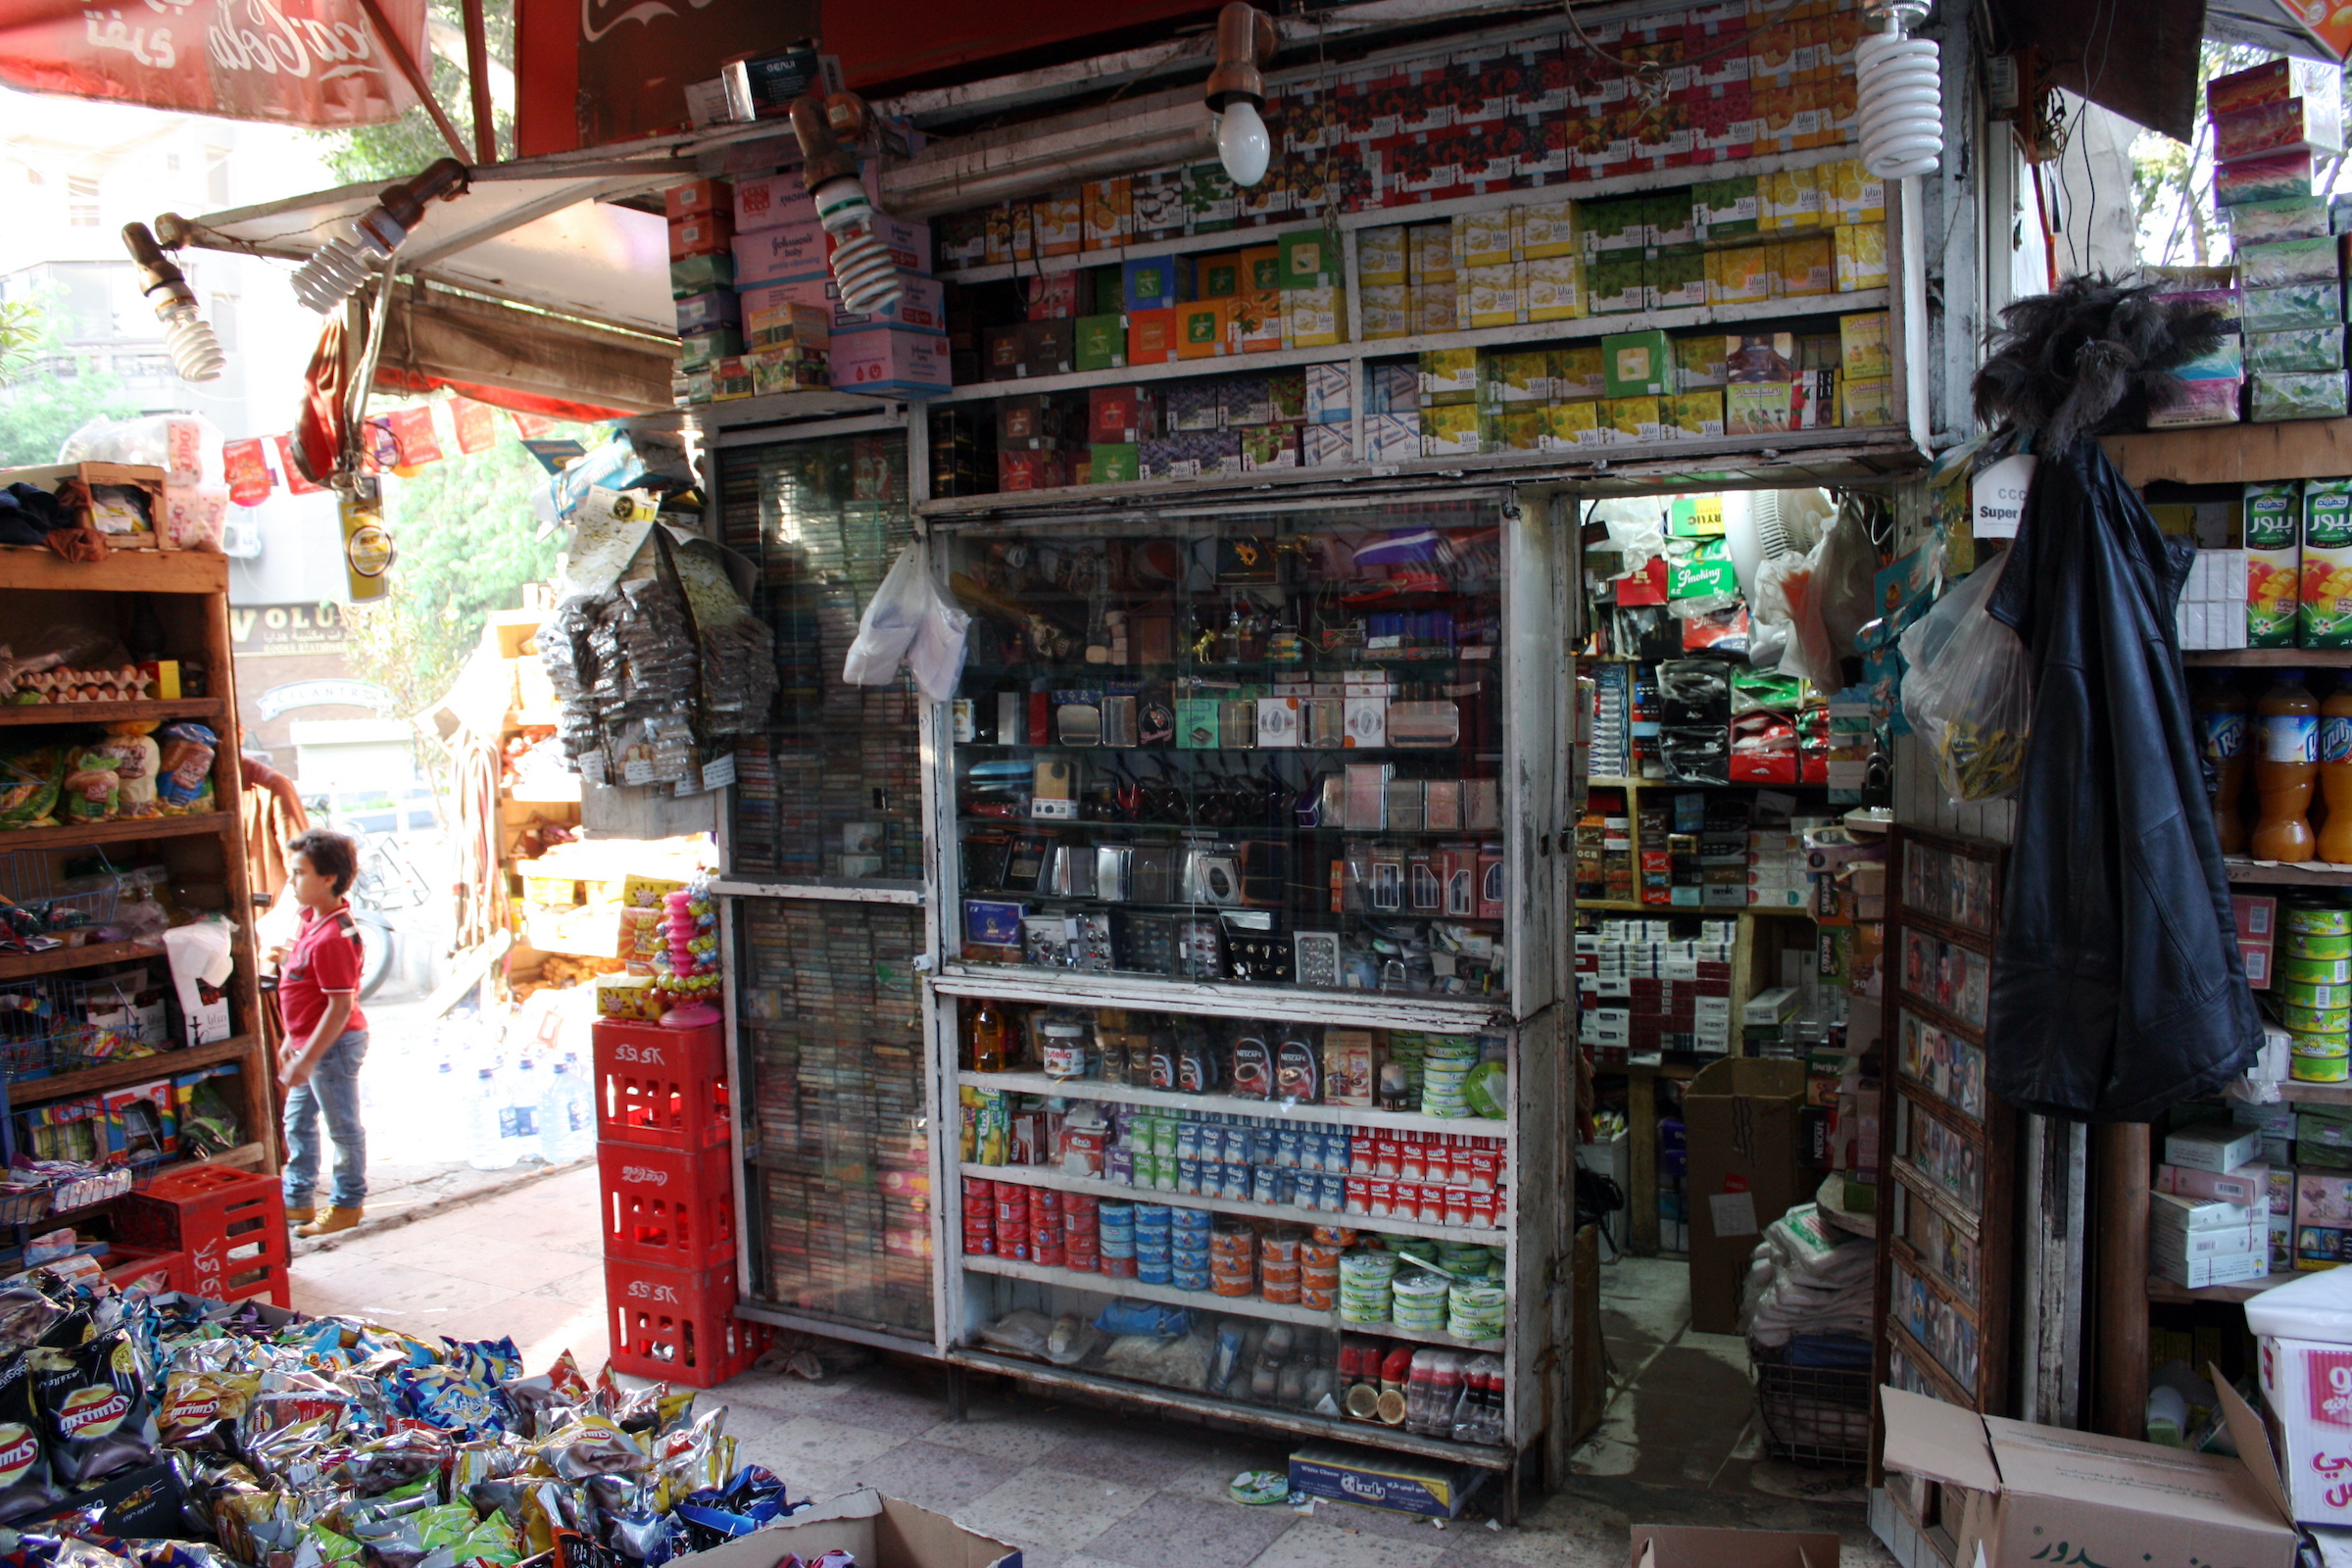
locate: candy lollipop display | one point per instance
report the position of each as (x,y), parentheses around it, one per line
(691,986)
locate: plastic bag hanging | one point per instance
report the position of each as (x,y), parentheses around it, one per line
(1969,690)
(911,619)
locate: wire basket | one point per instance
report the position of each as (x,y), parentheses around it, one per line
(27,1208)
(27,878)
(112,1019)
(36,1028)
(97,1188)
(1812,1415)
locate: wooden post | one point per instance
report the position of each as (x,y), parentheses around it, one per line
(2119,1407)
(419,81)
(477,75)
(1642,1170)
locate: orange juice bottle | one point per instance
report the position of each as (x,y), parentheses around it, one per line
(2226,734)
(2336,773)
(2286,766)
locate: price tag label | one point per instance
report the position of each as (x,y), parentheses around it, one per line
(720,773)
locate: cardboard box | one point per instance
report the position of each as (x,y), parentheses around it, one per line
(1740,1120)
(879,1531)
(2305,1384)
(887,360)
(2011,1488)
(1696,1546)
(1637,364)
(2215,1145)
(1377,1480)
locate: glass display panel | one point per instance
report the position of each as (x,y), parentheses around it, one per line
(1943,1250)
(1952,977)
(1258,748)
(1943,1063)
(1946,1332)
(1956,889)
(833,789)
(1951,1160)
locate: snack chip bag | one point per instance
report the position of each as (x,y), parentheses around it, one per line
(93,786)
(184,771)
(93,1407)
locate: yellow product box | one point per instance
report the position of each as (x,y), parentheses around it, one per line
(1430,252)
(1860,254)
(1867,400)
(1011,234)
(1204,329)
(1388,310)
(1862,344)
(1631,419)
(626,996)
(1517,376)
(1581,371)
(1109,213)
(1806,266)
(1381,257)
(1059,225)
(1549,228)
(1521,429)
(1554,287)
(1452,432)
(1483,239)
(1315,318)
(1739,275)
(1448,375)
(1788,199)
(1692,415)
(1490,296)
(1568,426)
(1850,193)
(1700,361)
(1436,307)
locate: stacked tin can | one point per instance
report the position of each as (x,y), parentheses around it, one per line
(2314,981)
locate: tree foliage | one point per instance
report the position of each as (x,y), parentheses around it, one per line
(2172,182)
(38,409)
(466,544)
(400,147)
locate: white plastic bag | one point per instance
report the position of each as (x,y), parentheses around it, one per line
(937,657)
(893,618)
(1969,690)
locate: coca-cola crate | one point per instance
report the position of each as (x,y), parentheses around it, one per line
(678,1324)
(666,1205)
(230,1223)
(661,1088)
(145,1268)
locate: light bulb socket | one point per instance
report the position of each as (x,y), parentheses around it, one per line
(155,269)
(400,206)
(823,157)
(1246,42)
(1898,17)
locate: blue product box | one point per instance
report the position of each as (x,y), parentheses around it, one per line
(993,922)
(1155,282)
(1422,1486)
(1330,394)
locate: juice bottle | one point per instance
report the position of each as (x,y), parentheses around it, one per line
(2287,764)
(2336,773)
(2227,737)
(990,1046)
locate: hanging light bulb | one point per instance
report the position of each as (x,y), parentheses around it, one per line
(1237,91)
(187,337)
(864,270)
(1899,89)
(338,269)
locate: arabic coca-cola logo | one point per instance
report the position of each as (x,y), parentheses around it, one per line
(598,16)
(255,36)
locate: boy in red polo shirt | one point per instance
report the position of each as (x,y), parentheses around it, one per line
(327,1035)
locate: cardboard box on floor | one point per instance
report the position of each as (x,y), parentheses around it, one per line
(1739,1121)
(880,1531)
(1689,1546)
(2014,1492)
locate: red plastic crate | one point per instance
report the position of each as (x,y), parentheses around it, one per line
(665,1206)
(150,1270)
(230,1223)
(661,1088)
(678,1324)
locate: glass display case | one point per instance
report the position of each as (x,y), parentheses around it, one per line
(1262,749)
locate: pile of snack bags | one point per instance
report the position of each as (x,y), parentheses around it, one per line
(313,1443)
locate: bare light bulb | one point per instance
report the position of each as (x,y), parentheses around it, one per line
(1899,94)
(863,268)
(1243,146)
(190,341)
(340,266)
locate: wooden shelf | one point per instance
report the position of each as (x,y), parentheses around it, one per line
(2270,657)
(2234,454)
(18,965)
(2316,1094)
(2161,1289)
(211,708)
(2311,874)
(149,571)
(1635,906)
(134,1070)
(68,835)
(1037,1083)
(1501,1235)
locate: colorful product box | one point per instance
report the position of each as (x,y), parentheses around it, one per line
(1448,376)
(887,360)
(1549,228)
(1108,209)
(770,201)
(1430,249)
(1865,401)
(1554,287)
(2273,82)
(1330,394)
(1436,307)
(1692,415)
(2274,562)
(1726,209)
(1806,266)
(1121,414)
(1632,420)
(1739,274)
(1790,199)
(1637,364)
(1381,256)
(1614,284)
(1155,282)
(1314,317)
(1057,223)
(1483,239)
(1151,336)
(1113,463)
(701,235)
(1387,311)
(1204,329)
(1858,254)
(1864,343)
(2323,619)
(1579,371)
(1101,342)
(2268,178)
(1325,446)
(1672,218)
(1572,426)
(1492,297)
(1217,276)
(699,274)
(781,255)
(1758,408)
(2289,124)
(1674,280)
(1850,193)
(1452,432)
(1310,259)
(1392,437)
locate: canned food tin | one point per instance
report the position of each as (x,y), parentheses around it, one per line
(2316,971)
(2315,998)
(2314,919)
(2319,1069)
(2316,1020)
(2319,1044)
(2299,945)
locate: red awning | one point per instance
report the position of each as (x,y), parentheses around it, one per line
(292,62)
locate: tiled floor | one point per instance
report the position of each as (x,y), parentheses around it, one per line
(1081,1487)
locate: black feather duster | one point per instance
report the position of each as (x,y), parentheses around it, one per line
(2093,357)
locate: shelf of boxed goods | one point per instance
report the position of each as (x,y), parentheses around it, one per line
(68,835)
(1037,1083)
(211,709)
(1369,1009)
(20,965)
(1498,1235)
(1412,212)
(131,1070)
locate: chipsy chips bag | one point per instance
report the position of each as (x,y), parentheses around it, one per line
(203,1407)
(93,1407)
(24,1485)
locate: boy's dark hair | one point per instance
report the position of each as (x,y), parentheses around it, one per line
(331,854)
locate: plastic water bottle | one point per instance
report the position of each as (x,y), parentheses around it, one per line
(520,1122)
(490,1150)
(563,1116)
